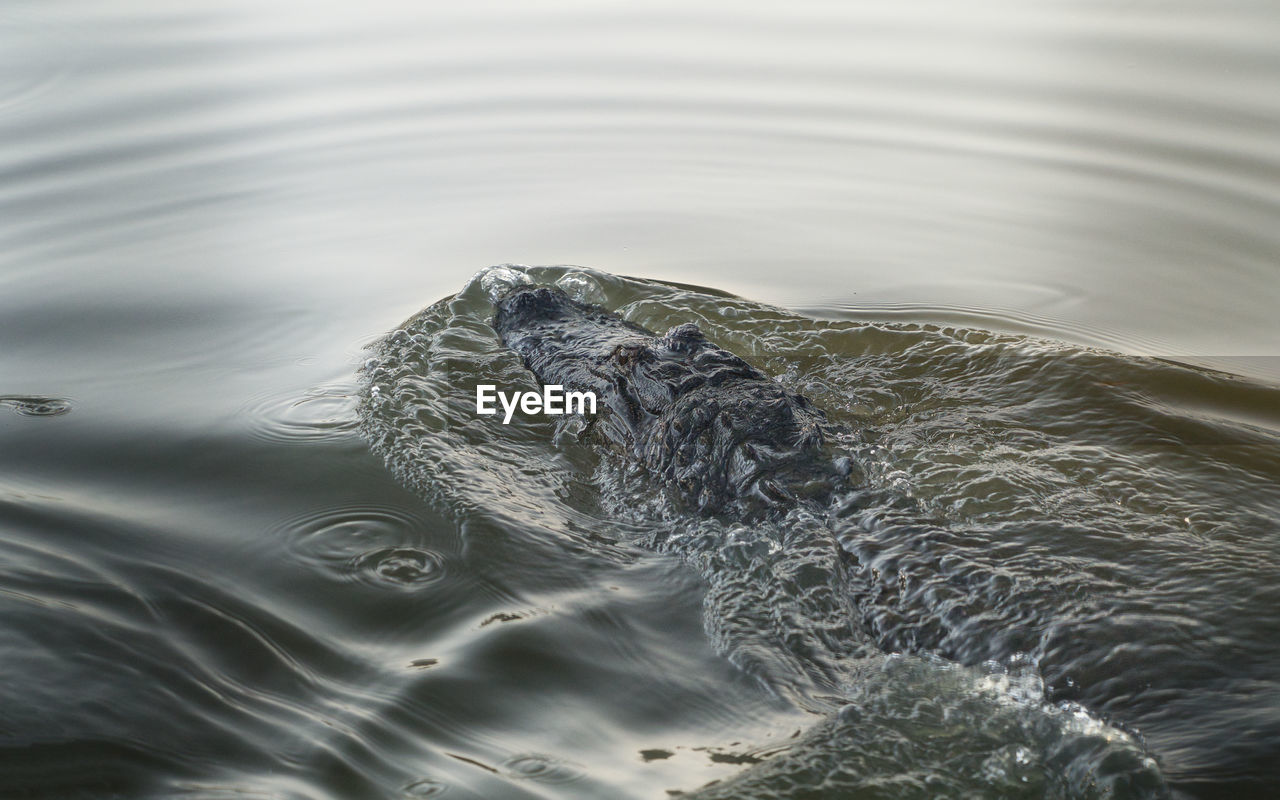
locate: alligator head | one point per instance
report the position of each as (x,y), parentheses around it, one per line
(718,431)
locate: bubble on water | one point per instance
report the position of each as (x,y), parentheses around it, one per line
(497,281)
(582,287)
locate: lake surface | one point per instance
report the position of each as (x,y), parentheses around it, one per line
(1025,253)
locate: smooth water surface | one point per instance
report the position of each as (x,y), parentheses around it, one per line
(211,585)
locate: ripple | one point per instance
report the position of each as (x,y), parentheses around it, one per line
(32,60)
(36,406)
(427,787)
(542,768)
(319,415)
(403,567)
(335,538)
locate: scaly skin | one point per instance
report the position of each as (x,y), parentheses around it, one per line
(722,434)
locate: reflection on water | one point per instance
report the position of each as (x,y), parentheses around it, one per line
(211,587)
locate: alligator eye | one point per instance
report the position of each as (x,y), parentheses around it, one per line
(534,302)
(683,338)
(625,355)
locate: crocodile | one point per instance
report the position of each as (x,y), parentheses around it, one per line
(755,461)
(721,434)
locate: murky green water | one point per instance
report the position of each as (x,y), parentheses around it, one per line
(1002,230)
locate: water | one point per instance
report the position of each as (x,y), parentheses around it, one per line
(212,586)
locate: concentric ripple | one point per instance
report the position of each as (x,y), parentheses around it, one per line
(542,768)
(36,406)
(400,567)
(348,540)
(319,415)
